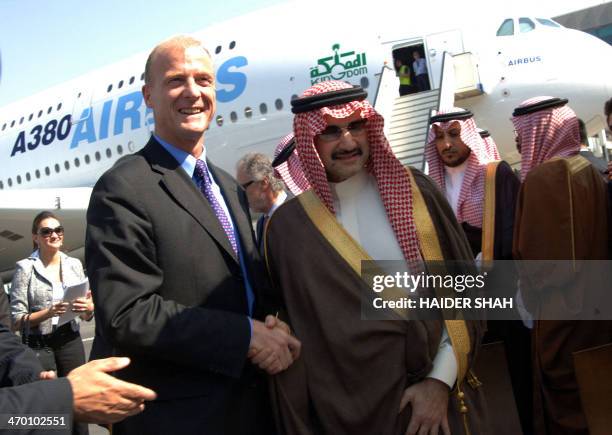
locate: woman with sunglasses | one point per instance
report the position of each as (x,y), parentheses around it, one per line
(37,295)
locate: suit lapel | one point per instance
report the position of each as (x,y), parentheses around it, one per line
(184,191)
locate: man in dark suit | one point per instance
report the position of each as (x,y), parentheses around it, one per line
(87,394)
(598,163)
(254,172)
(178,281)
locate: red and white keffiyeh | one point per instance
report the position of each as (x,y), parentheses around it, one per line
(545,134)
(290,171)
(491,147)
(471,196)
(390,174)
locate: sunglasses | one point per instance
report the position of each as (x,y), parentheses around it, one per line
(247,184)
(46,231)
(333,132)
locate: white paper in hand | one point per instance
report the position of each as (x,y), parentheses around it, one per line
(71,293)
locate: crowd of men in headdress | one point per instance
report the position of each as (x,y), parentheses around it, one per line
(243,335)
(558,199)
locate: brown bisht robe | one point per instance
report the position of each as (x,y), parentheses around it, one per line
(561,215)
(505,185)
(501,192)
(352,373)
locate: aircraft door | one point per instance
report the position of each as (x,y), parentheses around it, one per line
(82,106)
(435,46)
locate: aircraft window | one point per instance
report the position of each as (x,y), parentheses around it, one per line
(526,25)
(40,113)
(248,112)
(232,45)
(234,116)
(263,108)
(1,185)
(293,97)
(131,80)
(109,153)
(21,120)
(506,28)
(110,87)
(18,179)
(30,117)
(59,107)
(37,173)
(142,77)
(28,178)
(12,123)
(67,165)
(218,49)
(47,171)
(120,85)
(364,82)
(547,22)
(131,146)
(77,162)
(4,127)
(79,96)
(57,168)
(278,104)
(87,159)
(97,156)
(49,109)
(10,182)
(219,120)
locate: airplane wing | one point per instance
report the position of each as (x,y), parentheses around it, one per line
(17,211)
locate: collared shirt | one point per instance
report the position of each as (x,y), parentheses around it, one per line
(419,66)
(359,209)
(188,163)
(278,201)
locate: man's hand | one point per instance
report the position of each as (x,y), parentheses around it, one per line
(272,322)
(429,400)
(50,374)
(272,349)
(101,398)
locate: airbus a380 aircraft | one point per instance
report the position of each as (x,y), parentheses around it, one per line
(54,145)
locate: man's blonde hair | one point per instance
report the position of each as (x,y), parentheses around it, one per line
(183,41)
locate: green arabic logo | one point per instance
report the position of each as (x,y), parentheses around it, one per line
(338,66)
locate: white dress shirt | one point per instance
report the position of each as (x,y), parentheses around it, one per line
(278,201)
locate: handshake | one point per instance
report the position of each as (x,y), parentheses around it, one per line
(272,347)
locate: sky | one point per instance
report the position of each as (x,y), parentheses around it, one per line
(46,42)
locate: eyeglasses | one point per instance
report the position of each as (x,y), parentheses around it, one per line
(247,184)
(333,132)
(46,231)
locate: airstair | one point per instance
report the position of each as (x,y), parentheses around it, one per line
(407,117)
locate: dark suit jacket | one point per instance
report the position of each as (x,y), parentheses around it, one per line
(168,288)
(598,163)
(21,392)
(259,233)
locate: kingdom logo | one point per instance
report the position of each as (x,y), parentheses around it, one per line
(338,66)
